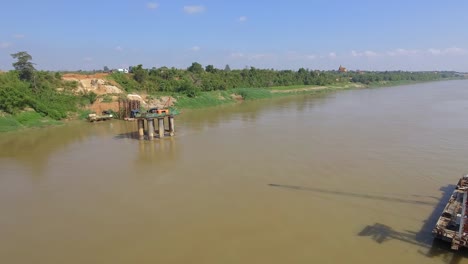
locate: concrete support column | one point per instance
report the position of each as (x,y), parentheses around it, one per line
(161,127)
(141,128)
(171,125)
(150,129)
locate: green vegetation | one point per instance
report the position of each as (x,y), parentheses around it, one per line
(23,120)
(83,113)
(24,66)
(88,98)
(206,99)
(252,94)
(290,87)
(197,79)
(42,95)
(215,98)
(44,92)
(107,98)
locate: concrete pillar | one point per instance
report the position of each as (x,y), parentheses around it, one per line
(171,125)
(141,128)
(150,128)
(161,127)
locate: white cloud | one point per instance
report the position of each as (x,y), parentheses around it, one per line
(367,53)
(4,45)
(195,48)
(403,52)
(332,55)
(88,59)
(370,53)
(434,51)
(311,57)
(152,5)
(237,55)
(431,51)
(242,19)
(448,51)
(455,51)
(18,36)
(253,56)
(259,56)
(118,48)
(194,9)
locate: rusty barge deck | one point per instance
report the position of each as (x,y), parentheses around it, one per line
(452,225)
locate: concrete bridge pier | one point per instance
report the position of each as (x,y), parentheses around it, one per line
(161,127)
(151,130)
(150,122)
(141,128)
(171,126)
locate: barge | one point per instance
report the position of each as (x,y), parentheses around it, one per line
(106,115)
(452,225)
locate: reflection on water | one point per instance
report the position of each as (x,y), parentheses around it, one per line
(158,151)
(33,148)
(289,180)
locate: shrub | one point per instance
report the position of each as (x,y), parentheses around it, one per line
(188,89)
(107,99)
(90,96)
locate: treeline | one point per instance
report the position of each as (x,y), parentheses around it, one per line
(197,78)
(395,76)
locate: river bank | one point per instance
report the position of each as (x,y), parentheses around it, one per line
(30,119)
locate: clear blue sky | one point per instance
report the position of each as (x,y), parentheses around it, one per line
(368,35)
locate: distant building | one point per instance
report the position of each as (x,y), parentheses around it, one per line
(123,70)
(342,69)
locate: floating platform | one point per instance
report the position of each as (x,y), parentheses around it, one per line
(95,117)
(452,225)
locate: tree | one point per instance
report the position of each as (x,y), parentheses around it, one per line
(139,74)
(210,68)
(227,68)
(195,68)
(106,69)
(24,65)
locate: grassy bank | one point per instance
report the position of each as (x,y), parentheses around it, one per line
(216,98)
(398,83)
(23,120)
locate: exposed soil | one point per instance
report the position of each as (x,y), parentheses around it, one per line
(100,85)
(237,97)
(98,107)
(97,83)
(67,76)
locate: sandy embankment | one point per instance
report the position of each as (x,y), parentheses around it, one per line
(110,92)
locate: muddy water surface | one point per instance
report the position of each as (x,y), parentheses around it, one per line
(351,177)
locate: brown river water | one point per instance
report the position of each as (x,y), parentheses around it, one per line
(355,176)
